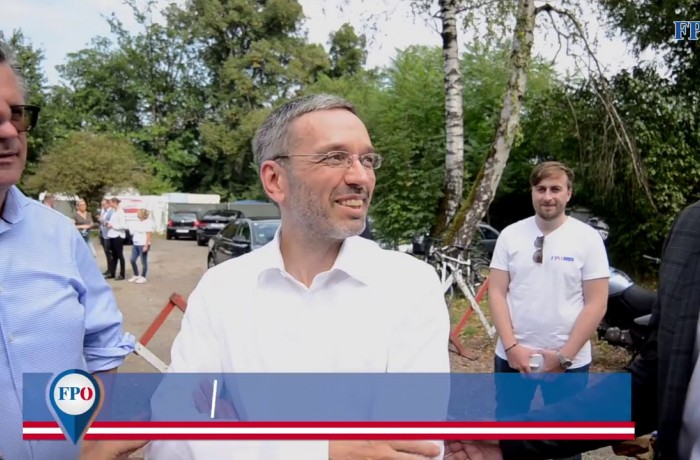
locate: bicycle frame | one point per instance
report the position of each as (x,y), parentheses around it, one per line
(456,267)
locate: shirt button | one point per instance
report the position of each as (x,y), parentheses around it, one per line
(11,338)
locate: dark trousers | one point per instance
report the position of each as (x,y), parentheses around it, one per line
(512,400)
(136,252)
(116,246)
(104,242)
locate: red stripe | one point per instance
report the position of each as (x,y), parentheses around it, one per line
(418,436)
(220,424)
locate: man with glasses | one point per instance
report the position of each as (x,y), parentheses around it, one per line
(56,311)
(318,298)
(548,289)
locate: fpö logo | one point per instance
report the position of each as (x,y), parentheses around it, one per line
(76,398)
(686,30)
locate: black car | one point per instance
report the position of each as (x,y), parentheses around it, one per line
(485,239)
(213,221)
(182,224)
(240,237)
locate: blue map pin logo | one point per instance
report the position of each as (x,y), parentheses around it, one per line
(76,397)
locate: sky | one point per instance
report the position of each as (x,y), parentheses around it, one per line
(61,27)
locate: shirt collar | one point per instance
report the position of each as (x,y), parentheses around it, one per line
(15,202)
(353,258)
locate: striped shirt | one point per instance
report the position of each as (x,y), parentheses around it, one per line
(56,313)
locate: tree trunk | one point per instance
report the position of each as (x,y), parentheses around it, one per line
(475,206)
(454,118)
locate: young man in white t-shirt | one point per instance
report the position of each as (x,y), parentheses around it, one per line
(548,289)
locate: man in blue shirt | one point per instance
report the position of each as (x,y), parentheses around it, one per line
(56,310)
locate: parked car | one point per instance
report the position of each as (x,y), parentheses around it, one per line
(182,224)
(213,221)
(485,239)
(240,237)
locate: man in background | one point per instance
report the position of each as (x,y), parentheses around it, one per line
(49,200)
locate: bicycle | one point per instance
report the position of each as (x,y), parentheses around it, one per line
(460,275)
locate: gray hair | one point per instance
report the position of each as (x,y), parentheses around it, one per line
(7,58)
(272,137)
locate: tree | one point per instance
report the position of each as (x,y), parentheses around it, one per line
(348,52)
(253,57)
(649,25)
(88,165)
(475,206)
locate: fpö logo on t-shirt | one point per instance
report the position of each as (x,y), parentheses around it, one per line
(562,259)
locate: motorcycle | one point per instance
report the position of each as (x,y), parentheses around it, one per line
(626,321)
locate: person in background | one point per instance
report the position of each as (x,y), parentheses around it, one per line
(142,232)
(83,220)
(548,291)
(49,200)
(105,214)
(116,235)
(56,310)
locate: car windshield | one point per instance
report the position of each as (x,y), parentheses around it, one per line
(185,216)
(221,213)
(264,231)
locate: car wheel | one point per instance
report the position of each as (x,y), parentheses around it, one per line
(201,242)
(210,261)
(168,237)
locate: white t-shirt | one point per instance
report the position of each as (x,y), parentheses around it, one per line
(139,229)
(545,299)
(374,311)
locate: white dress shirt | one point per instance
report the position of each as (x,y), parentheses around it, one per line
(118,222)
(374,311)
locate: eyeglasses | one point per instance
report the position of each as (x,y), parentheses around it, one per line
(24,117)
(539,245)
(338,159)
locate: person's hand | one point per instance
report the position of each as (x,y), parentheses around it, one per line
(382,450)
(145,247)
(109,450)
(519,358)
(551,362)
(471,450)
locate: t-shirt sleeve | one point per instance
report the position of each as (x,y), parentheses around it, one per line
(596,265)
(499,260)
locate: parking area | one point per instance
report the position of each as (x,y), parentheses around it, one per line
(173,266)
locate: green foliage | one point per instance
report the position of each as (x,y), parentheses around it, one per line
(648,25)
(252,56)
(88,165)
(571,126)
(348,52)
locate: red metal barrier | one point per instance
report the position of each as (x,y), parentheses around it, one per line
(457,330)
(175,300)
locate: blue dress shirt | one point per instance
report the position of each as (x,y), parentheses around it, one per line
(56,313)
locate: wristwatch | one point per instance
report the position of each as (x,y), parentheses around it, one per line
(564,362)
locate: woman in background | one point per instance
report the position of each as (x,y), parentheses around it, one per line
(142,232)
(83,220)
(84,223)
